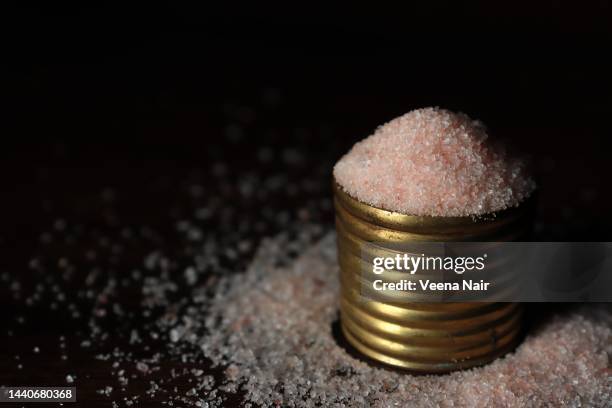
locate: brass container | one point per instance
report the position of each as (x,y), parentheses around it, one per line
(414,335)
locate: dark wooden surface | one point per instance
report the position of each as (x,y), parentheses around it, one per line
(139,132)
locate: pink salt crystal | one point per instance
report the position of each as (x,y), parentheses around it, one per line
(433,162)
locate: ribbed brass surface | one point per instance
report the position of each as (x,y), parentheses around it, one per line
(409,333)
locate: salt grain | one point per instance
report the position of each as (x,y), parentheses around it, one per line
(433,162)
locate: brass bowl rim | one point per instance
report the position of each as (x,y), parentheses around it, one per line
(416,223)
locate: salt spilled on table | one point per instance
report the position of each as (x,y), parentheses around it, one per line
(271,329)
(433,162)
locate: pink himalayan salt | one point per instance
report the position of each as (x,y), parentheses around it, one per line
(433,162)
(274,323)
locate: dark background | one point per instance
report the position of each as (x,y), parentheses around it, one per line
(123,88)
(130,116)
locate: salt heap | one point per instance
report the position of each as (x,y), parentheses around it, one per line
(271,330)
(433,162)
